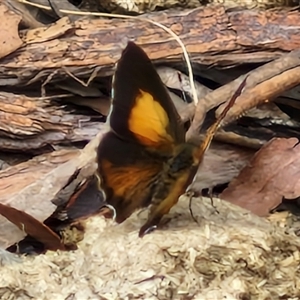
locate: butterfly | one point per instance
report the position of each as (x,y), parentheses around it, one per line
(144,159)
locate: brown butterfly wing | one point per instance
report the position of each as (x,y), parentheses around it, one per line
(142,109)
(145,127)
(128,174)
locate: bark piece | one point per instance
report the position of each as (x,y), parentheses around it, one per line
(47,33)
(30,186)
(92,46)
(32,123)
(272,174)
(220,165)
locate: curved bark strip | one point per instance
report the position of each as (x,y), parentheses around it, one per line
(263,84)
(32,123)
(91,47)
(30,186)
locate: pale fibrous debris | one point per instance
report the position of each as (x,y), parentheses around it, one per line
(8,258)
(142,6)
(228,255)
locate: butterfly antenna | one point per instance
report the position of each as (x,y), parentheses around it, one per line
(215,126)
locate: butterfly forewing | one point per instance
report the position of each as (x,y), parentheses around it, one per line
(141,108)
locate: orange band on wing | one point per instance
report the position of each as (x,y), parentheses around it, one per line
(149,121)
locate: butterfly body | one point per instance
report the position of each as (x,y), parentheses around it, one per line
(140,158)
(144,159)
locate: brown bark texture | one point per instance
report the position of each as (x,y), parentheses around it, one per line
(90,47)
(31,123)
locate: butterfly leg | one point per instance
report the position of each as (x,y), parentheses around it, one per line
(210,195)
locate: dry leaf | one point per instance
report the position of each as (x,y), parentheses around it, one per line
(100,104)
(38,181)
(32,227)
(273,173)
(221,163)
(85,201)
(178,102)
(9,37)
(77,88)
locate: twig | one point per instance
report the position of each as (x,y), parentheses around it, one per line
(265,91)
(263,83)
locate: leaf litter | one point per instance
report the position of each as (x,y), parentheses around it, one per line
(187,259)
(232,255)
(271,175)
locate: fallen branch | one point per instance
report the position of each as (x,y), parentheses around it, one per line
(263,84)
(89,48)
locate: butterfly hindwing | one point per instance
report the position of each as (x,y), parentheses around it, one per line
(127,173)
